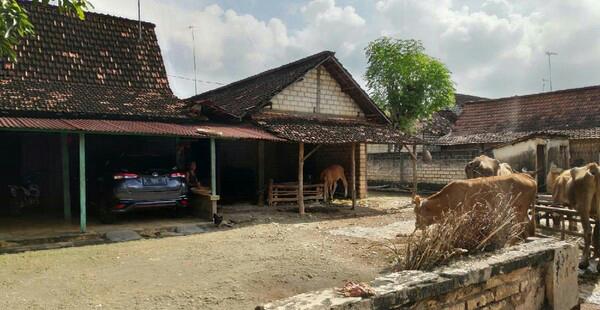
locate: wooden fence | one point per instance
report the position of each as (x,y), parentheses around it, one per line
(288,192)
(553,217)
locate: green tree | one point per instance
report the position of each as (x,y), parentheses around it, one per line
(405,82)
(15,23)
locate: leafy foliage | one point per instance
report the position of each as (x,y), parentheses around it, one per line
(15,23)
(405,82)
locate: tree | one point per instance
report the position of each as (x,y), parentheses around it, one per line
(405,82)
(15,23)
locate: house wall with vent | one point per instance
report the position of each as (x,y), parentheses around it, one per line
(318,92)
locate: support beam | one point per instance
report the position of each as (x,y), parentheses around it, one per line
(82,187)
(312,151)
(414,168)
(66,176)
(261,173)
(353,175)
(301,178)
(213,175)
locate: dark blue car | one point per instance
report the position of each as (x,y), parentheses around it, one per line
(141,182)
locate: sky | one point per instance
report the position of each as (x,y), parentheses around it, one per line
(494,48)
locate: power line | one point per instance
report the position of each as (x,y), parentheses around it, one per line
(195,80)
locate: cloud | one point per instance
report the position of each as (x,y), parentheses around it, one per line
(493,47)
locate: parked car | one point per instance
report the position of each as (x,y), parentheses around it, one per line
(138,182)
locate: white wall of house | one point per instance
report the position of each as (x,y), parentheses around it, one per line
(316,93)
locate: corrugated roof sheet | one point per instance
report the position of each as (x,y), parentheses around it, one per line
(226,131)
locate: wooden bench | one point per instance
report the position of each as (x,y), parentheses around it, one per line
(288,192)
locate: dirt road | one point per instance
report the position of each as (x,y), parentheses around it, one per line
(232,269)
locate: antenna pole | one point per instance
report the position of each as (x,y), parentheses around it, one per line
(140,20)
(550,54)
(194,51)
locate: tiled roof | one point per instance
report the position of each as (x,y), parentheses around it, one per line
(573,112)
(94,66)
(317,130)
(441,122)
(204,130)
(247,96)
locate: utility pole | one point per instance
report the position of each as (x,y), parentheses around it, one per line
(550,54)
(544,85)
(194,51)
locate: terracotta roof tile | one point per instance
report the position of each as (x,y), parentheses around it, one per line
(97,65)
(574,112)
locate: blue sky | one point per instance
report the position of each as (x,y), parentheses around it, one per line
(494,48)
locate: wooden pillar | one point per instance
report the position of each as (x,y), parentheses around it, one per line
(353,173)
(82,183)
(261,173)
(301,178)
(414,169)
(66,176)
(213,175)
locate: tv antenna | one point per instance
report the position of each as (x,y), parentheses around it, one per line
(194,51)
(550,54)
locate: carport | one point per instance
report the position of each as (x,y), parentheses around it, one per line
(78,131)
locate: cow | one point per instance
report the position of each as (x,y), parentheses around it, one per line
(582,192)
(519,187)
(484,166)
(558,182)
(330,176)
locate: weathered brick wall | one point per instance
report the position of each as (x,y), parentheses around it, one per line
(302,95)
(584,151)
(541,274)
(396,168)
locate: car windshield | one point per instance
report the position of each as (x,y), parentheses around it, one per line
(143,163)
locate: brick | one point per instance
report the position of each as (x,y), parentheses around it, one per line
(480,300)
(504,291)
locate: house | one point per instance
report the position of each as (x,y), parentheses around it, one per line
(313,101)
(535,132)
(86,91)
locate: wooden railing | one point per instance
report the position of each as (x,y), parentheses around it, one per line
(553,217)
(288,192)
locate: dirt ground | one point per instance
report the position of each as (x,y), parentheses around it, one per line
(274,254)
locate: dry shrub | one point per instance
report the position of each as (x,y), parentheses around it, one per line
(483,227)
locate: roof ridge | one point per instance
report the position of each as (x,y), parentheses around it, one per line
(101,15)
(252,77)
(542,94)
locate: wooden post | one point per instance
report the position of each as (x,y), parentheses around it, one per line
(301,178)
(414,168)
(82,183)
(66,176)
(353,172)
(213,175)
(261,173)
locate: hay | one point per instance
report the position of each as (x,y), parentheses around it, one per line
(483,227)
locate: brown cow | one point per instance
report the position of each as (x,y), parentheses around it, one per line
(484,166)
(330,176)
(583,193)
(522,188)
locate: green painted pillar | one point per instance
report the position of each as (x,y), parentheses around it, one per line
(82,181)
(213,175)
(66,176)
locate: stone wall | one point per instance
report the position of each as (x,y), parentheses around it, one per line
(539,274)
(302,96)
(396,168)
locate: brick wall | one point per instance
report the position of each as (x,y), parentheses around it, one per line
(302,96)
(396,168)
(584,151)
(540,274)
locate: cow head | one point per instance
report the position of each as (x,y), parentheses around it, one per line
(482,166)
(421,221)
